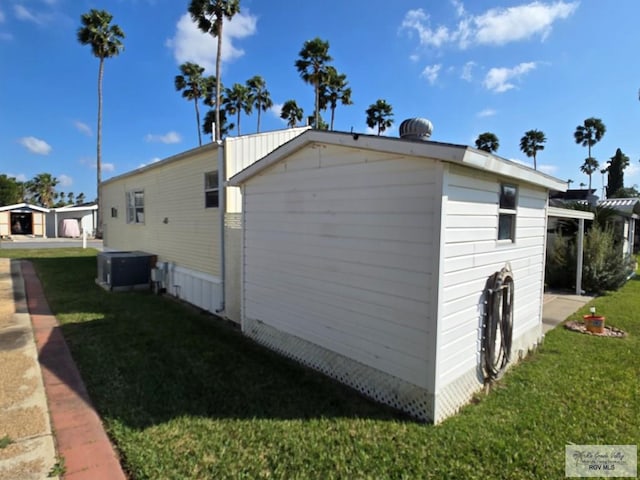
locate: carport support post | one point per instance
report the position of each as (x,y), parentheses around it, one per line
(579,256)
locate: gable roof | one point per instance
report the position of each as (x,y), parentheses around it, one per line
(23,205)
(445,152)
(77,208)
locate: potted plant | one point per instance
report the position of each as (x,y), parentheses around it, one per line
(593,322)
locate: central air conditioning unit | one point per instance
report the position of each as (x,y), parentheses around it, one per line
(119,271)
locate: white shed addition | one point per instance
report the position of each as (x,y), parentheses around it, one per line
(367,258)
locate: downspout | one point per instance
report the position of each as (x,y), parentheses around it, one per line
(222,208)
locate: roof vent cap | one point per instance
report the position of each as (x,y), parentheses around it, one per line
(416,129)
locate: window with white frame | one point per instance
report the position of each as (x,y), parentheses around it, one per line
(211,190)
(507,212)
(135,206)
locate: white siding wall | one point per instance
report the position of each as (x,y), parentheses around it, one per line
(339,250)
(244,151)
(471,253)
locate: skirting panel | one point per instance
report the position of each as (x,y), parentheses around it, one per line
(197,288)
(373,383)
(457,393)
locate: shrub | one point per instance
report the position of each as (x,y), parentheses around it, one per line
(561,261)
(604,267)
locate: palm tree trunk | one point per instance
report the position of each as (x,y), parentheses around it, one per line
(195,100)
(238,129)
(99,152)
(333,113)
(535,164)
(259,108)
(317,112)
(218,81)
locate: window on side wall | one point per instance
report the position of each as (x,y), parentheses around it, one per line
(135,206)
(507,212)
(211,190)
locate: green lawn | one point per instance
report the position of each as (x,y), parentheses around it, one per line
(184,396)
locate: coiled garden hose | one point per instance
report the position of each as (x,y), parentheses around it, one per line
(497,328)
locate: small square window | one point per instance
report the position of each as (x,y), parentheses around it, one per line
(211,190)
(508,194)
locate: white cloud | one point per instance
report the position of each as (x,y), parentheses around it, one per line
(35,145)
(431,72)
(466,71)
(64,180)
(108,167)
(22,13)
(276,109)
(2,16)
(190,44)
(83,128)
(20,177)
(499,80)
(487,112)
(548,169)
(632,170)
(169,137)
(414,57)
(6,36)
(153,160)
(503,25)
(496,26)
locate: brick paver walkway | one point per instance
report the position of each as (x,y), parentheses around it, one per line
(79,434)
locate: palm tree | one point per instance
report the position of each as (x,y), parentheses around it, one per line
(569,182)
(259,96)
(106,42)
(292,113)
(488,142)
(70,198)
(379,115)
(209,120)
(80,198)
(210,15)
(42,188)
(335,90)
(532,143)
(312,66)
(590,133)
(603,171)
(191,83)
(236,100)
(589,167)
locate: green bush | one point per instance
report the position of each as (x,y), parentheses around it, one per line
(604,266)
(561,262)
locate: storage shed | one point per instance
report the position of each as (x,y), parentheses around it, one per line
(82,215)
(367,258)
(23,219)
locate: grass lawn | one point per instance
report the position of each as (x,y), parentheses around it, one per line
(184,396)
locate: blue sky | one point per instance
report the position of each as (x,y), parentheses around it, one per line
(469,67)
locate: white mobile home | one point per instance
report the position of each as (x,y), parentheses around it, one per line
(173,209)
(368,258)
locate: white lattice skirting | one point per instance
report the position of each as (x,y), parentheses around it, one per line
(373,383)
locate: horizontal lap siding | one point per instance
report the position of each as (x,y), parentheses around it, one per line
(338,250)
(472,253)
(190,238)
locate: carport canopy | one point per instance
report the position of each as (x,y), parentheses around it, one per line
(581,216)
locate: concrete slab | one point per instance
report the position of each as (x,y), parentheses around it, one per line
(558,306)
(24,414)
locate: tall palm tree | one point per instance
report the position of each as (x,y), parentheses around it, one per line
(569,182)
(259,96)
(589,167)
(106,42)
(210,15)
(487,142)
(379,115)
(80,198)
(42,188)
(192,85)
(312,66)
(237,100)
(532,142)
(335,90)
(590,133)
(292,113)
